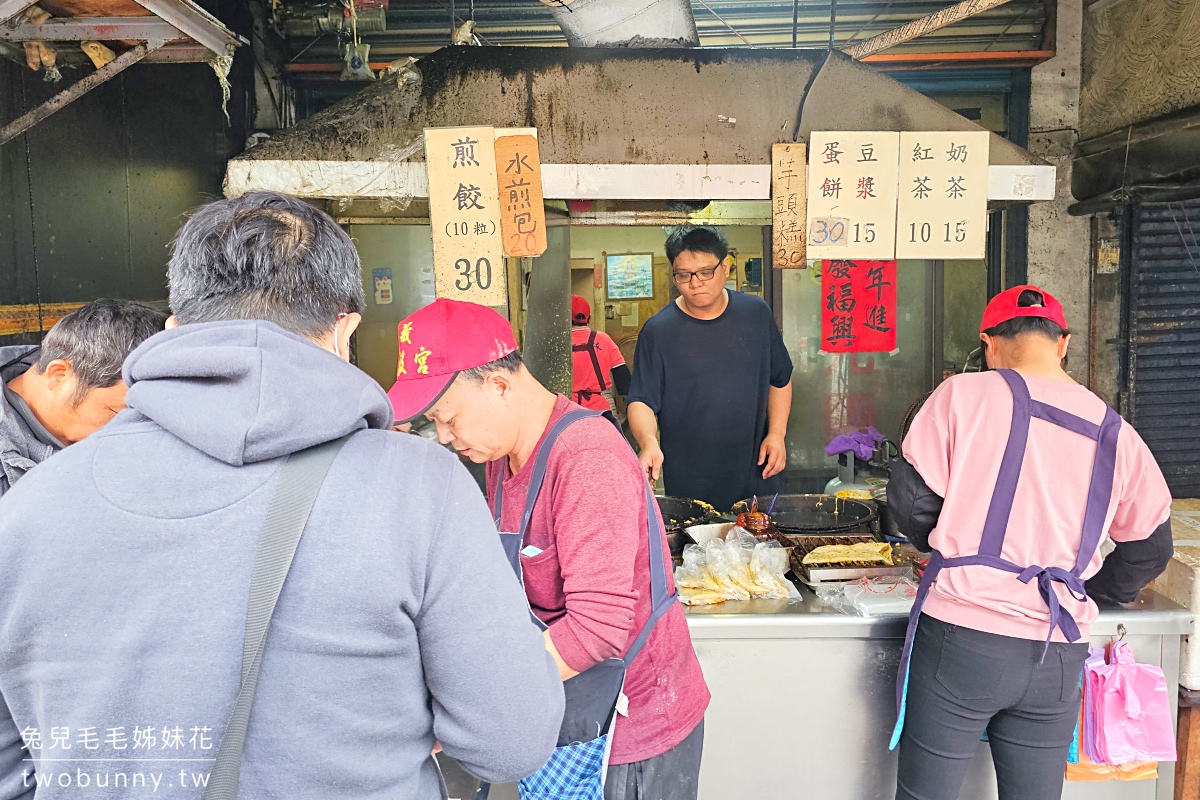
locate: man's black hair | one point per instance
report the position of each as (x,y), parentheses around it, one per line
(1011,329)
(264,256)
(697,239)
(96,339)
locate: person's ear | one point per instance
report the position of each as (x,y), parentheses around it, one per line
(171,323)
(501,383)
(1063,344)
(342,331)
(58,374)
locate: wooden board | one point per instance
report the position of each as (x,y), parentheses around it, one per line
(852,194)
(522,207)
(788,205)
(464,214)
(16,320)
(943,185)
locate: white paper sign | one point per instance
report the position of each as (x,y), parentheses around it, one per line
(852,194)
(943,195)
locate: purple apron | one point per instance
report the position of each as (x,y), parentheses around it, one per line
(995,525)
(577,769)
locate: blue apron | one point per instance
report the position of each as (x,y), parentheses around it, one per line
(577,768)
(995,526)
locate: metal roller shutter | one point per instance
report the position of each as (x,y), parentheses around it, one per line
(1164,328)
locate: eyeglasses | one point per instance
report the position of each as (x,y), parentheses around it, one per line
(684,278)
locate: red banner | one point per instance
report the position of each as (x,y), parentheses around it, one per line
(858,306)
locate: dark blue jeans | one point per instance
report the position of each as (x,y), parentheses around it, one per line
(963,683)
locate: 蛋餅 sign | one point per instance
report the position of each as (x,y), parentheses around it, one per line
(464,215)
(852,184)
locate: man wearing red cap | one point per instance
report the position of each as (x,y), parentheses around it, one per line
(597,365)
(582,532)
(1011,478)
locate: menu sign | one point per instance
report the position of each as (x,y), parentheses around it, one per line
(943,195)
(858,306)
(788,206)
(852,183)
(522,210)
(464,213)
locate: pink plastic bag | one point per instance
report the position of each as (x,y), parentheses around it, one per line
(1132,710)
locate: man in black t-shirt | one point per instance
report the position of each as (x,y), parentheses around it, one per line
(712,375)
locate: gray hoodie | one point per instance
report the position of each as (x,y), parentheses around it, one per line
(125,563)
(24,443)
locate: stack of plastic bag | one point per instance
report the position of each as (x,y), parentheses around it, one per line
(737,568)
(1125,725)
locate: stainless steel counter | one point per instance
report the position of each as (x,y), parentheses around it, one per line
(804,699)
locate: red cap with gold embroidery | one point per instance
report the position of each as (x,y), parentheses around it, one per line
(436,343)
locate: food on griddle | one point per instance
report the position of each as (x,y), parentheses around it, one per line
(854,494)
(863,554)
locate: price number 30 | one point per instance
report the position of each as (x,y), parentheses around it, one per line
(479,274)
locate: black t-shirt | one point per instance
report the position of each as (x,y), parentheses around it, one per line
(707,381)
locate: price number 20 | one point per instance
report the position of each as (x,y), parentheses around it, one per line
(479,275)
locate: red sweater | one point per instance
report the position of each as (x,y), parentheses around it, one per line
(591,582)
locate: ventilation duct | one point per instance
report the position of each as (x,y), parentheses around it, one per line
(626,23)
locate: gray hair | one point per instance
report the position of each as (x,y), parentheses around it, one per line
(264,256)
(97,338)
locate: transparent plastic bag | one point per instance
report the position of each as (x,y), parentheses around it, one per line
(768,563)
(889,595)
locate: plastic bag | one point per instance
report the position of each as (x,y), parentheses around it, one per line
(738,567)
(885,596)
(1132,710)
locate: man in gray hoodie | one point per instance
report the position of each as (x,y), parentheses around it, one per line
(56,394)
(125,561)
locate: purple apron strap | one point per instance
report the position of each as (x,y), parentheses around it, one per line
(1100,491)
(927,579)
(1065,419)
(996,524)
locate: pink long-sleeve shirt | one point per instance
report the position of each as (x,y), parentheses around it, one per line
(591,581)
(956,443)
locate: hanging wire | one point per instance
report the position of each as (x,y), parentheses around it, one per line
(832,22)
(37,277)
(1187,248)
(726,24)
(863,27)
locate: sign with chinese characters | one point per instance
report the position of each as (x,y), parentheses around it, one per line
(852,194)
(522,211)
(943,195)
(858,306)
(788,206)
(464,213)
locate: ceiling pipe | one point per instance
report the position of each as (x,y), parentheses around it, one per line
(626,23)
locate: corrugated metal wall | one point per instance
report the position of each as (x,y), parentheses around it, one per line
(90,197)
(1164,329)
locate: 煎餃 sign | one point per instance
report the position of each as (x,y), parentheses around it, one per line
(464,214)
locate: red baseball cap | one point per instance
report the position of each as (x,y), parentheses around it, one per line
(1003,307)
(581,310)
(436,343)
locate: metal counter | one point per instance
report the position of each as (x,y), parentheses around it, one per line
(804,699)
